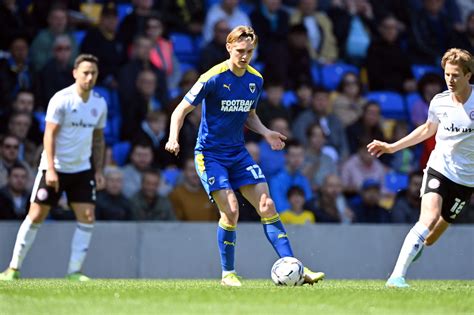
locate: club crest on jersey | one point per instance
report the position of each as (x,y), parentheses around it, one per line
(212,180)
(252,87)
(471,115)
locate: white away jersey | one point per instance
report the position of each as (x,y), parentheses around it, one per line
(77,120)
(453,155)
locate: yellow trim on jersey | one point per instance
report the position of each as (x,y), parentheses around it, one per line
(216,70)
(200,163)
(253,71)
(227,227)
(271,220)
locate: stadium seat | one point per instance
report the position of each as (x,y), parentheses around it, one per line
(419,70)
(411,99)
(123,9)
(185,67)
(185,48)
(112,130)
(210,3)
(79,37)
(120,152)
(259,66)
(289,98)
(171,175)
(331,74)
(395,181)
(112,99)
(40,116)
(391,104)
(315,73)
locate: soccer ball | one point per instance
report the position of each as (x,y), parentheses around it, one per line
(288,271)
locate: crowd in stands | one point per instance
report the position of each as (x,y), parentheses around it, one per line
(338,73)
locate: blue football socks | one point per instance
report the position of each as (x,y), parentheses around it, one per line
(276,234)
(226,237)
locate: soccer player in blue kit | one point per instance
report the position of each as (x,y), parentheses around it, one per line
(229,93)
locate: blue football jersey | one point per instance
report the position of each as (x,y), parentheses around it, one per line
(226,102)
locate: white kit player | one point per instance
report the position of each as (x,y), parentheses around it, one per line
(75,119)
(448,181)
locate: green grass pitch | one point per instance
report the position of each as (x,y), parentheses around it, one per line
(48,296)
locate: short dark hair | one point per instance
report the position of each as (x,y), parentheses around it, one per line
(16,165)
(295,190)
(86,57)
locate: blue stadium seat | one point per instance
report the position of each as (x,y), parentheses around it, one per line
(210,3)
(112,99)
(395,181)
(332,74)
(123,9)
(392,104)
(315,73)
(289,98)
(40,116)
(185,48)
(411,99)
(120,152)
(419,70)
(259,66)
(79,37)
(171,175)
(185,67)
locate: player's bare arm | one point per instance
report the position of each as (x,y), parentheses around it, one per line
(98,156)
(49,142)
(418,135)
(275,139)
(177,119)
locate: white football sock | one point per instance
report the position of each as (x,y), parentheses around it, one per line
(79,246)
(225,273)
(24,239)
(413,243)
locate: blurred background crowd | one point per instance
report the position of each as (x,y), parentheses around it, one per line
(338,73)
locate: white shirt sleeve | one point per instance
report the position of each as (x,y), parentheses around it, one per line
(56,110)
(432,117)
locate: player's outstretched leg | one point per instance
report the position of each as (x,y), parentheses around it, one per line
(276,234)
(411,247)
(24,239)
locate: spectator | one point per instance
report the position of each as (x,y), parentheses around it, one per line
(323,44)
(15,72)
(14,197)
(304,95)
(140,61)
(41,47)
(186,83)
(406,208)
(402,161)
(385,55)
(296,214)
(429,85)
(24,103)
(300,69)
(329,205)
(332,126)
(135,23)
(136,109)
(359,167)
(271,107)
(9,146)
(369,125)
(19,125)
(224,10)
(102,41)
(348,100)
(431,31)
(111,203)
(13,22)
(57,73)
(271,22)
(141,158)
(187,16)
(215,51)
(465,38)
(189,200)
(162,54)
(317,163)
(291,175)
(366,208)
(354,24)
(147,204)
